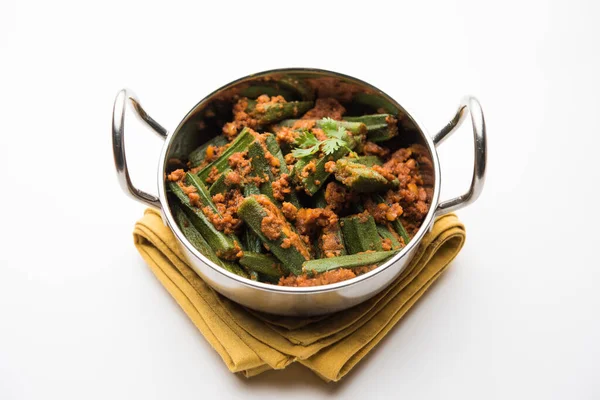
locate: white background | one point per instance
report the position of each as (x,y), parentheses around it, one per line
(515,317)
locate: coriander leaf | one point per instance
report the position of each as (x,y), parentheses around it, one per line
(306,139)
(301,153)
(331,145)
(339,133)
(328,124)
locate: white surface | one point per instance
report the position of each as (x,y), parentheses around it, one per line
(515,317)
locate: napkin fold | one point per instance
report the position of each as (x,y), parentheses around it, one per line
(250,342)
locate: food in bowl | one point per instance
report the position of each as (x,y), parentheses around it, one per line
(297,191)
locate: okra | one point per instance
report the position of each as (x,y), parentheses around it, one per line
(387,232)
(312,179)
(220,185)
(224,245)
(275,150)
(264,264)
(268,113)
(349,261)
(254,91)
(205,199)
(250,240)
(297,85)
(287,245)
(369,161)
(376,102)
(356,128)
(330,235)
(319,199)
(360,178)
(380,127)
(396,224)
(197,156)
(360,233)
(241,143)
(196,239)
(262,168)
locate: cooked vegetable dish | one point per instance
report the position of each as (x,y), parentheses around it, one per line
(297,192)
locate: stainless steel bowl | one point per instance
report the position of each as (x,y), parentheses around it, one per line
(198,126)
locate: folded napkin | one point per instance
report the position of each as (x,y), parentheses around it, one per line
(250,342)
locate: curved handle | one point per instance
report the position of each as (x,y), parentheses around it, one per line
(124,97)
(470,105)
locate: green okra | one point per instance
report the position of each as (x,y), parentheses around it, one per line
(369,161)
(197,156)
(268,113)
(376,102)
(360,233)
(349,261)
(396,224)
(254,276)
(262,168)
(332,233)
(205,198)
(275,150)
(387,232)
(380,127)
(241,143)
(264,264)
(319,199)
(311,179)
(250,240)
(196,239)
(356,128)
(298,86)
(254,91)
(360,178)
(294,252)
(225,246)
(220,185)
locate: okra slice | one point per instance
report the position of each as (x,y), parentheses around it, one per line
(264,264)
(268,113)
(360,178)
(269,224)
(380,127)
(310,173)
(387,232)
(396,224)
(356,128)
(241,143)
(360,233)
(197,156)
(196,239)
(224,246)
(349,261)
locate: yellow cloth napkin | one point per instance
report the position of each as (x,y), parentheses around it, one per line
(250,342)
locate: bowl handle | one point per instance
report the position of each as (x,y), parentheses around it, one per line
(125,97)
(470,105)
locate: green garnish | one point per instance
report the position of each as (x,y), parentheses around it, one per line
(307,144)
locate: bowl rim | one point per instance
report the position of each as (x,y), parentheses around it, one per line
(290,290)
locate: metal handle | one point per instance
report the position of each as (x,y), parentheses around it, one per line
(470,105)
(124,97)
